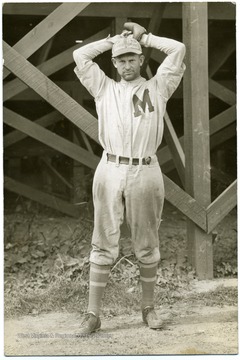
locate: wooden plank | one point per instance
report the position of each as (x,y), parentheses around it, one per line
(175,147)
(222,120)
(221,92)
(157,55)
(21,150)
(48,138)
(153,27)
(164,155)
(174,194)
(49,67)
(53,171)
(46,29)
(67,86)
(221,136)
(77,171)
(185,203)
(216,11)
(173,143)
(49,91)
(22,93)
(221,206)
(221,176)
(44,52)
(220,54)
(196,130)
(41,197)
(80,134)
(219,123)
(129,10)
(46,120)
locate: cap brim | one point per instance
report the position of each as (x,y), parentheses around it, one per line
(126,51)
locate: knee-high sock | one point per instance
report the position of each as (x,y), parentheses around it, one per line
(148,274)
(98,281)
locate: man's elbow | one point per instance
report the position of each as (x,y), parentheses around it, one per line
(75,55)
(182,48)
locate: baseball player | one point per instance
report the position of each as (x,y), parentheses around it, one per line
(128,179)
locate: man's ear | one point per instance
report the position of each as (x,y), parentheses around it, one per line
(142,58)
(114,62)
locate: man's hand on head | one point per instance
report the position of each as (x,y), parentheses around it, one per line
(136,30)
(126,33)
(114,38)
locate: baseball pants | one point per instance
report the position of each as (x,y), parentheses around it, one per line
(136,191)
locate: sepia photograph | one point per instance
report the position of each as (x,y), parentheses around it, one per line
(120,178)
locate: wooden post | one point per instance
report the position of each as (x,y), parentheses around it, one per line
(196,130)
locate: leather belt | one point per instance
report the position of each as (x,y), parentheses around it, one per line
(126,160)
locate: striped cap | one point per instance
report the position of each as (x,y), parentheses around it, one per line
(126,45)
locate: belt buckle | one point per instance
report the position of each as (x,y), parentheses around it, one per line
(148,160)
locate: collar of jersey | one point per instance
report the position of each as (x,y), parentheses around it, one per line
(137,81)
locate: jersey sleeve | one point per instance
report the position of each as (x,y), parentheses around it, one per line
(171,70)
(88,71)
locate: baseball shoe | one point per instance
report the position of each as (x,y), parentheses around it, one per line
(90,324)
(150,318)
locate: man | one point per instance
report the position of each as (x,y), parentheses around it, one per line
(128,178)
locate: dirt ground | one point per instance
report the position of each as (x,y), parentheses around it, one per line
(189,329)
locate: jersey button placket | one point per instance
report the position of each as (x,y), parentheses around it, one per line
(127,121)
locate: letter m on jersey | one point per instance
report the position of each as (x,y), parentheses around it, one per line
(142,103)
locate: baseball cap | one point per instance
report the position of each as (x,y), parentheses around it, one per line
(126,45)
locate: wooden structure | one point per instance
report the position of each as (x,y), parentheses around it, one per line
(38,67)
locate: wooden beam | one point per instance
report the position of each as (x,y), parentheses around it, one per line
(185,203)
(44,51)
(221,206)
(45,121)
(53,171)
(221,176)
(165,159)
(221,92)
(174,194)
(77,171)
(22,93)
(216,11)
(153,27)
(173,143)
(80,134)
(222,120)
(49,91)
(21,150)
(41,197)
(221,136)
(46,29)
(67,86)
(220,54)
(175,147)
(49,67)
(196,130)
(220,130)
(48,138)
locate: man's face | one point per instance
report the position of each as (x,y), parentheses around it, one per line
(128,65)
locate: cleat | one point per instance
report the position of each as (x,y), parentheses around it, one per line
(150,318)
(90,324)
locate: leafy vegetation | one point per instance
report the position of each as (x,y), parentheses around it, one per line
(47,267)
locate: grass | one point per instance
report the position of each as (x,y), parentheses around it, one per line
(122,295)
(47,268)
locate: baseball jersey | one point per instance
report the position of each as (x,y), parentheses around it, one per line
(130,113)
